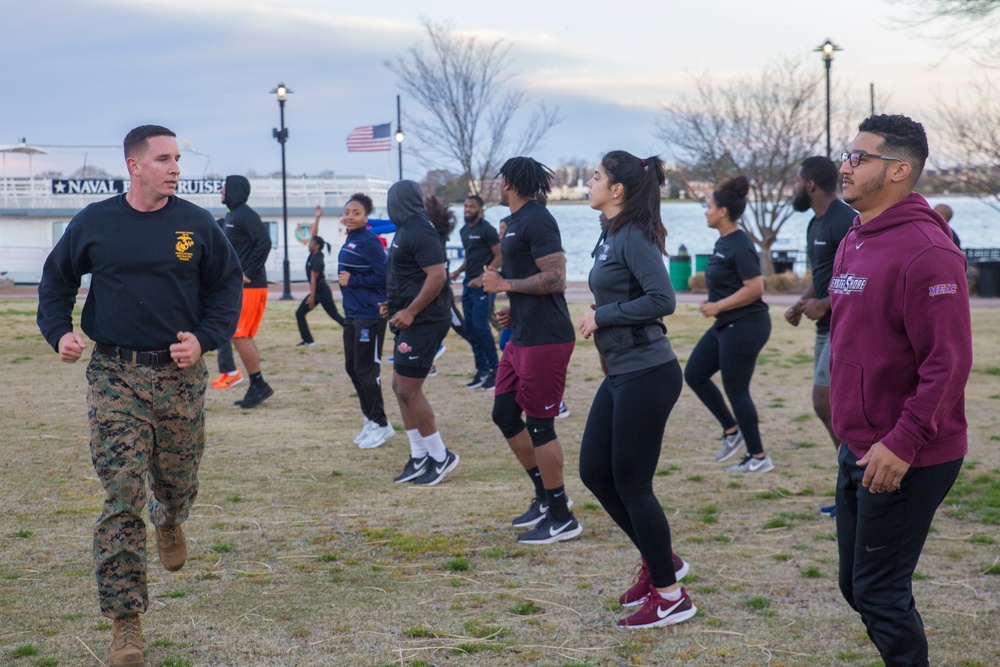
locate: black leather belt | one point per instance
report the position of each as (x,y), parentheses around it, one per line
(148,358)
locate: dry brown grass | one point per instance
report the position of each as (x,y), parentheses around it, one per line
(302,551)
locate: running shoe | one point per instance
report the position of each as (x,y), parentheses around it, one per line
(436,470)
(365,430)
(659,611)
(432,373)
(255,396)
(414,468)
(640,589)
(550,530)
(477,380)
(731,443)
(563,411)
(377,436)
(226,380)
(490,382)
(829,510)
(535,513)
(440,351)
(306,344)
(750,464)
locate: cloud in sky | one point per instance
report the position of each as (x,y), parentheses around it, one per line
(88,70)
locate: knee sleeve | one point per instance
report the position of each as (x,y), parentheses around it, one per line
(542,431)
(507,415)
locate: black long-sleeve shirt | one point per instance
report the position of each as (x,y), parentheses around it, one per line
(152,275)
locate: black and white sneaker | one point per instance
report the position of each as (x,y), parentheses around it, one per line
(477,380)
(550,530)
(255,396)
(436,470)
(414,468)
(490,381)
(535,513)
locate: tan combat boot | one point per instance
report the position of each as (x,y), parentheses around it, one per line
(126,643)
(172,546)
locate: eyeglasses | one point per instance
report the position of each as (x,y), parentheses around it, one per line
(855,157)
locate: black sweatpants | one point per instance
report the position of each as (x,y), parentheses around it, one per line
(363,342)
(324,297)
(619,454)
(733,349)
(880,537)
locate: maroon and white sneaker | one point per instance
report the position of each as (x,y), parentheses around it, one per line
(659,611)
(637,594)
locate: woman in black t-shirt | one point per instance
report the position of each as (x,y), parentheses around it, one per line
(741,328)
(319,290)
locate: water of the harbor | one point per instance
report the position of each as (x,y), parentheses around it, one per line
(977,225)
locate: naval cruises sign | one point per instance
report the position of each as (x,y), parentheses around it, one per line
(100,186)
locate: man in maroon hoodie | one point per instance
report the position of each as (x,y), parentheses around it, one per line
(901,351)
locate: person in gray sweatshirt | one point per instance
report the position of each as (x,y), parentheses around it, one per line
(622,440)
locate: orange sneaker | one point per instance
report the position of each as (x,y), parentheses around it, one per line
(226,380)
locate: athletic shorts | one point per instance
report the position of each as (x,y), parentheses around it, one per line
(416,346)
(821,350)
(254,303)
(537,373)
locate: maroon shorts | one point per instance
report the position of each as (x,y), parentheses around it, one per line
(538,375)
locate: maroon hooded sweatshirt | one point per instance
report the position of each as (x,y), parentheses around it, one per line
(901,336)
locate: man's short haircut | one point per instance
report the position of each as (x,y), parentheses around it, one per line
(822,171)
(135,140)
(476,198)
(902,137)
(527,176)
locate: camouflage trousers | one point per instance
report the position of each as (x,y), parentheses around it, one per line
(145,423)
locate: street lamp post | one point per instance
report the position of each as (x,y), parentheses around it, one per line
(827,48)
(399,137)
(282,136)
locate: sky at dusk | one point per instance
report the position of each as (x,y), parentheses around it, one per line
(80,73)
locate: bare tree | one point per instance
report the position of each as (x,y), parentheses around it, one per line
(461,83)
(761,128)
(970,25)
(970,138)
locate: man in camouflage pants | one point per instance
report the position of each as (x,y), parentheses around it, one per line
(166,286)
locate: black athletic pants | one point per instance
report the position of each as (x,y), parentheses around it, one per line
(880,537)
(618,457)
(324,297)
(733,349)
(225,357)
(363,341)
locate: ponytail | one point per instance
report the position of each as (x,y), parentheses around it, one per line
(642,179)
(319,240)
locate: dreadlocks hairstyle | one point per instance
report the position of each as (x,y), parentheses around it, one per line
(901,137)
(320,242)
(527,176)
(732,196)
(642,180)
(364,200)
(440,216)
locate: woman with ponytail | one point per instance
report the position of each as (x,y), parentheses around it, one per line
(741,328)
(624,433)
(319,290)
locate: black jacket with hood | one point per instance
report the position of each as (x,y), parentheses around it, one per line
(415,246)
(246,231)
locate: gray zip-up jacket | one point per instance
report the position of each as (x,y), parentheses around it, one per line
(633,293)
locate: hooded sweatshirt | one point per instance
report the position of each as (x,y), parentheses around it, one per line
(415,246)
(901,337)
(246,231)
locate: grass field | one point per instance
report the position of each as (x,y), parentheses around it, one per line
(303,552)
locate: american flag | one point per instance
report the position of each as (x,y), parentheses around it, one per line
(370,139)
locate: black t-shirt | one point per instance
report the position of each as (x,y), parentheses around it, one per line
(823,237)
(315,263)
(734,260)
(537,319)
(415,245)
(478,241)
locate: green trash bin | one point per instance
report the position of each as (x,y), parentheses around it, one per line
(701,263)
(680,272)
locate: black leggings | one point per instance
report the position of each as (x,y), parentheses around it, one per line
(619,453)
(324,297)
(733,349)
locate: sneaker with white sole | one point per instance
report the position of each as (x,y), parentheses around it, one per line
(731,443)
(829,510)
(365,430)
(490,381)
(535,513)
(751,464)
(436,470)
(659,611)
(432,373)
(477,380)
(377,436)
(414,468)
(640,589)
(563,411)
(551,530)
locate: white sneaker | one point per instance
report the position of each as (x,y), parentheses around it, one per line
(365,430)
(377,435)
(751,464)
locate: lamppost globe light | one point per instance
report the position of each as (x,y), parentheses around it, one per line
(827,48)
(282,92)
(399,136)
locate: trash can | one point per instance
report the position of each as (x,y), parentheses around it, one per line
(680,272)
(989,277)
(783,260)
(701,263)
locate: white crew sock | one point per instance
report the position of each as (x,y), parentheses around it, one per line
(435,446)
(418,449)
(673,596)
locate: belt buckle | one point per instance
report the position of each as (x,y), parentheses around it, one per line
(154,359)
